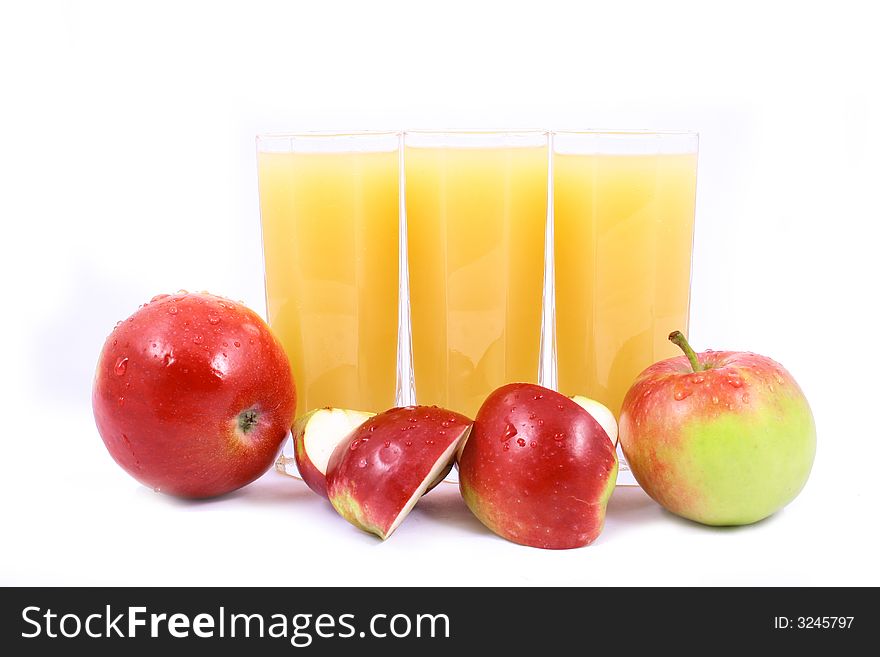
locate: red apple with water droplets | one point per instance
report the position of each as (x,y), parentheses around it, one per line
(193,395)
(375,477)
(537,468)
(721,437)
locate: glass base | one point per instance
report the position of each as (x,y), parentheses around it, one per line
(286,462)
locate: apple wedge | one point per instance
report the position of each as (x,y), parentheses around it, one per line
(315,435)
(538,468)
(375,477)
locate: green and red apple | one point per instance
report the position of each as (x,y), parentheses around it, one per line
(538,468)
(720,437)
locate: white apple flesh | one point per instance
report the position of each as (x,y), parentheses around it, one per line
(315,435)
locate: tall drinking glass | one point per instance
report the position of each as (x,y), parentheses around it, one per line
(476,210)
(329,206)
(624,223)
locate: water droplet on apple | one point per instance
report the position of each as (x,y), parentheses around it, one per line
(408,443)
(413,419)
(779,379)
(362,463)
(647,392)
(532,444)
(444,424)
(681,393)
(168,359)
(730,407)
(156,489)
(736,383)
(159,297)
(559,437)
(372,428)
(121,364)
(770,387)
(539,396)
(745,398)
(521,442)
(540,423)
(114,342)
(198,339)
(560,407)
(509,432)
(118,324)
(714,399)
(213,319)
(387,443)
(506,446)
(172,310)
(121,401)
(237,343)
(354,444)
(699,378)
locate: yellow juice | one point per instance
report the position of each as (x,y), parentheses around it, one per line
(623,236)
(475,225)
(330,243)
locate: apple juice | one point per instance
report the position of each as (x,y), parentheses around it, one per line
(330,244)
(623,235)
(476,218)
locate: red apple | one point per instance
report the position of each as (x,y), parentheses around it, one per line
(722,438)
(538,469)
(315,435)
(376,476)
(193,395)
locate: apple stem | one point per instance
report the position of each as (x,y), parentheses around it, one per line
(677,338)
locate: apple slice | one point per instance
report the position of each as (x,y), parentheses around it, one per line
(315,435)
(375,477)
(601,413)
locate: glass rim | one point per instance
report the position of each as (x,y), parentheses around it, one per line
(471,139)
(440,133)
(311,134)
(637,132)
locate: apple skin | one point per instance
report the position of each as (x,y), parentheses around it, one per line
(314,475)
(375,477)
(193,395)
(727,445)
(537,468)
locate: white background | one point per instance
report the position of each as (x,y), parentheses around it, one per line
(127,168)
